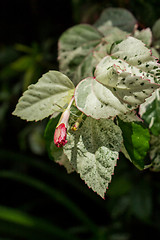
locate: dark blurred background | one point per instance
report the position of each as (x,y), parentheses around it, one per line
(38,199)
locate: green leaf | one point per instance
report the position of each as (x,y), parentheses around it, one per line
(93,152)
(41,99)
(75,51)
(144,35)
(152,115)
(118,17)
(155,153)
(53,151)
(136,141)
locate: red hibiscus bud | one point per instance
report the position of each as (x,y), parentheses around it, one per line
(60,135)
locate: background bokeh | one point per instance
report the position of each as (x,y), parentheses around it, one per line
(38,199)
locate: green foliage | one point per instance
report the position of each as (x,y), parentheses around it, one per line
(39,200)
(114,72)
(152,115)
(136,141)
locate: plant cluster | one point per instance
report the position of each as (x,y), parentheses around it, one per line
(108,91)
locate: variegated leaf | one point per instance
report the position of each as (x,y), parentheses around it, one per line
(93,152)
(41,99)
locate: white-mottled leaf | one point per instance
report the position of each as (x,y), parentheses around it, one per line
(96,100)
(134,52)
(75,51)
(39,101)
(123,88)
(130,117)
(64,161)
(114,35)
(93,152)
(129,83)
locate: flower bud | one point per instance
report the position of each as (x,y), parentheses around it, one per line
(77,123)
(60,135)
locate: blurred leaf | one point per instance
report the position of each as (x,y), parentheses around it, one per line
(134,135)
(144,35)
(31,75)
(23,48)
(152,115)
(53,151)
(155,153)
(75,50)
(113,36)
(156,30)
(36,140)
(22,63)
(15,223)
(120,186)
(56,195)
(155,53)
(156,35)
(119,17)
(141,200)
(7,55)
(8,73)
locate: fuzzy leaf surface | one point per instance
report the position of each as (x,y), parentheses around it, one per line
(93,152)
(39,101)
(136,141)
